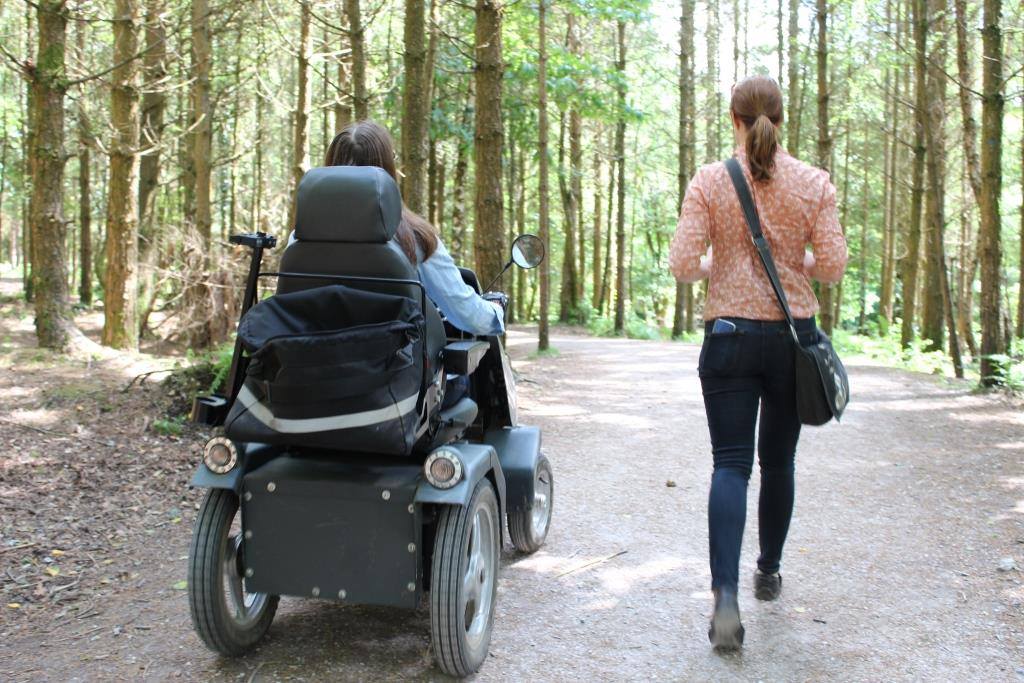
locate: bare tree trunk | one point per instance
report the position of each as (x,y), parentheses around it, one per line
(488,231)
(300,140)
(824,137)
(46,77)
(414,109)
(576,172)
(933,313)
(1020,261)
(683,313)
(154,105)
(567,295)
(892,150)
(27,150)
(120,290)
(596,241)
(543,341)
(357,42)
(620,155)
(714,105)
(912,257)
(84,196)
(990,246)
(343,95)
(780,15)
(5,145)
(520,291)
(202,115)
(793,115)
(458,190)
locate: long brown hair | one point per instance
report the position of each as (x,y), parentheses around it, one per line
(757,102)
(367,143)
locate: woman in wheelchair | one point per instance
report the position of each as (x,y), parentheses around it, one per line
(367,143)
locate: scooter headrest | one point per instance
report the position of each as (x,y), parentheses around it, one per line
(347,204)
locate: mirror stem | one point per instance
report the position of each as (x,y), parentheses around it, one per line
(498,277)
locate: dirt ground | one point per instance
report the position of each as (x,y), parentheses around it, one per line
(902,562)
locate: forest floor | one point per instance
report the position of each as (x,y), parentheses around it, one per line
(904,559)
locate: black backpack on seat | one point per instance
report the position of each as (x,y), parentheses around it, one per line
(335,363)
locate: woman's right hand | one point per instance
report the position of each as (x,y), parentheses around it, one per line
(809,264)
(706,262)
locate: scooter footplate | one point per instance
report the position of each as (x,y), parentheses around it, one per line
(333,529)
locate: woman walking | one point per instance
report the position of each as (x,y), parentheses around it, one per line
(746,361)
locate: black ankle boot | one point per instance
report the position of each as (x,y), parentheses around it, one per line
(726,632)
(767,586)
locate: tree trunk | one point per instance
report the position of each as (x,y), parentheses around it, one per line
(933,313)
(824,137)
(458,232)
(991,186)
(120,293)
(46,77)
(892,146)
(792,116)
(567,295)
(84,190)
(620,155)
(576,175)
(1020,261)
(300,139)
(912,257)
(154,105)
(202,116)
(596,241)
(683,313)
(543,341)
(27,147)
(342,94)
(488,231)
(414,109)
(520,290)
(712,86)
(357,42)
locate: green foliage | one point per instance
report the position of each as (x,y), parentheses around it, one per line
(174,426)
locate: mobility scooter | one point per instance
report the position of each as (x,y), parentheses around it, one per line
(365,451)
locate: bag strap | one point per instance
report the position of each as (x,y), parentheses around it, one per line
(759,240)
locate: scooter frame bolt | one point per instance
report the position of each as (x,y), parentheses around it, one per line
(271,487)
(386,495)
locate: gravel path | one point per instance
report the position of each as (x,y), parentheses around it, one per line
(892,570)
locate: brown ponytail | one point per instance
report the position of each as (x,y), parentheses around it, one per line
(757,102)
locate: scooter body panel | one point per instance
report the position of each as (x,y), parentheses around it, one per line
(334,528)
(518,449)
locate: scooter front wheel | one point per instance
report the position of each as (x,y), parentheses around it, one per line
(228,618)
(528,526)
(464,573)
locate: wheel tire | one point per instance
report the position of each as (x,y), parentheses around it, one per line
(529,527)
(221,629)
(458,651)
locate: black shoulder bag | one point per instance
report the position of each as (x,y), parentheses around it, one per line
(822,387)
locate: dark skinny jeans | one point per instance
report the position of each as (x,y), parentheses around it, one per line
(740,371)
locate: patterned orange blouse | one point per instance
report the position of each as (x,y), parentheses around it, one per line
(797,208)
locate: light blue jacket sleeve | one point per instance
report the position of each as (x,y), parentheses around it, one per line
(461,305)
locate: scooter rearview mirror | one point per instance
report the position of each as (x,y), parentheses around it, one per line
(527,251)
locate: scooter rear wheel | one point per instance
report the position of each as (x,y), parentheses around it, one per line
(464,584)
(528,527)
(228,619)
